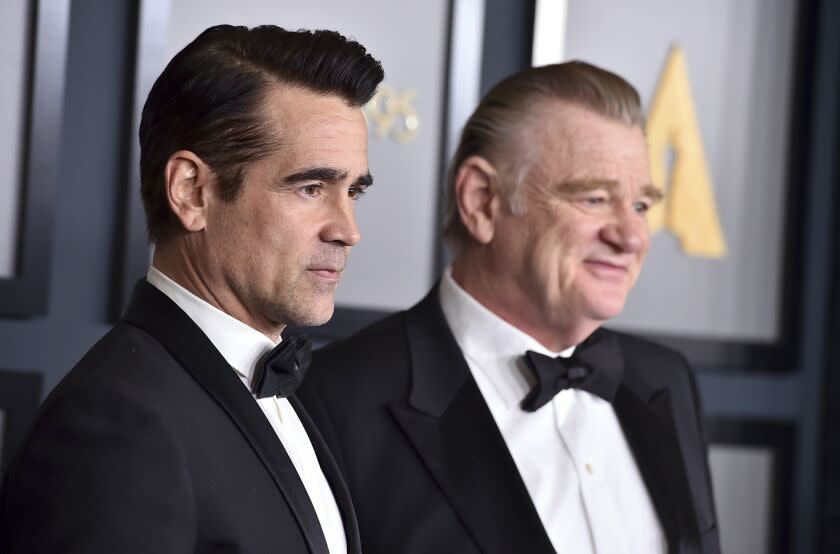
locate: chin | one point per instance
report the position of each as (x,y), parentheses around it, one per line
(322,317)
(313,315)
(605,308)
(301,311)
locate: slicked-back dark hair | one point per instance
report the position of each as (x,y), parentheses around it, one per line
(209,100)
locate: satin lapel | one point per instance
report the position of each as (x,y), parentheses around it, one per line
(647,418)
(453,431)
(155,313)
(334,478)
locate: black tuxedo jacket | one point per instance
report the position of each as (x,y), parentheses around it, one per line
(428,469)
(152,445)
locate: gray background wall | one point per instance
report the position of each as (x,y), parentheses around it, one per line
(87,226)
(87,196)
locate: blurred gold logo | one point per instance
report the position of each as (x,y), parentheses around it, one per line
(392,115)
(689,209)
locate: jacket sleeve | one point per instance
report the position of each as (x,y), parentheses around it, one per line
(100,473)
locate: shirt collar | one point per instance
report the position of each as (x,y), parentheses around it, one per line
(240,345)
(495,347)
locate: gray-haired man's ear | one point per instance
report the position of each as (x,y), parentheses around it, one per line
(478,197)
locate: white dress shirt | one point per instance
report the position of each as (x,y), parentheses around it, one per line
(571,453)
(241,346)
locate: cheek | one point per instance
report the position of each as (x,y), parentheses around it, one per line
(564,241)
(575,244)
(554,258)
(568,264)
(268,225)
(224,232)
(248,238)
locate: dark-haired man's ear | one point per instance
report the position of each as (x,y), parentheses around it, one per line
(186,179)
(479,202)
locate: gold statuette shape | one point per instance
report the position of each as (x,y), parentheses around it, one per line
(689,209)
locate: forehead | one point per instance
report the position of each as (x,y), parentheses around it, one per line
(296,110)
(313,125)
(575,142)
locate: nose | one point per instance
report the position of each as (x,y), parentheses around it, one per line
(627,232)
(341,226)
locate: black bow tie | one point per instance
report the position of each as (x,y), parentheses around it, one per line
(596,367)
(280,371)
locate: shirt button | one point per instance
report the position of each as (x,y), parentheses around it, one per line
(589,468)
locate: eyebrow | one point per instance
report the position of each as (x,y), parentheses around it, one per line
(585,185)
(653,192)
(365,180)
(328,174)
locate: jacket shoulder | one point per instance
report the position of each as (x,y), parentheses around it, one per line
(127,359)
(636,347)
(99,429)
(659,364)
(370,368)
(382,342)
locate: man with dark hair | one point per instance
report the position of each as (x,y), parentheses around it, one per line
(179,431)
(497,415)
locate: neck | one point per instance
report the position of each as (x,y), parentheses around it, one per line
(173,261)
(516,307)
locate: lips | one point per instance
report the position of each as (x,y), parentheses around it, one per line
(607,270)
(328,264)
(329,273)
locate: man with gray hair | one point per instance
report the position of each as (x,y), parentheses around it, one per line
(497,415)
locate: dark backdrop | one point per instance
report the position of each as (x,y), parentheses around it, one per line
(90,175)
(86,238)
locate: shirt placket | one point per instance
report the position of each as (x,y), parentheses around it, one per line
(581,436)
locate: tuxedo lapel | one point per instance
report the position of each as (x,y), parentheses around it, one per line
(453,431)
(153,312)
(667,465)
(334,478)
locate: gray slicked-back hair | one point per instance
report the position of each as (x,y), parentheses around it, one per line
(494,128)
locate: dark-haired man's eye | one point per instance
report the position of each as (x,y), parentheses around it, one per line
(356,192)
(311,190)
